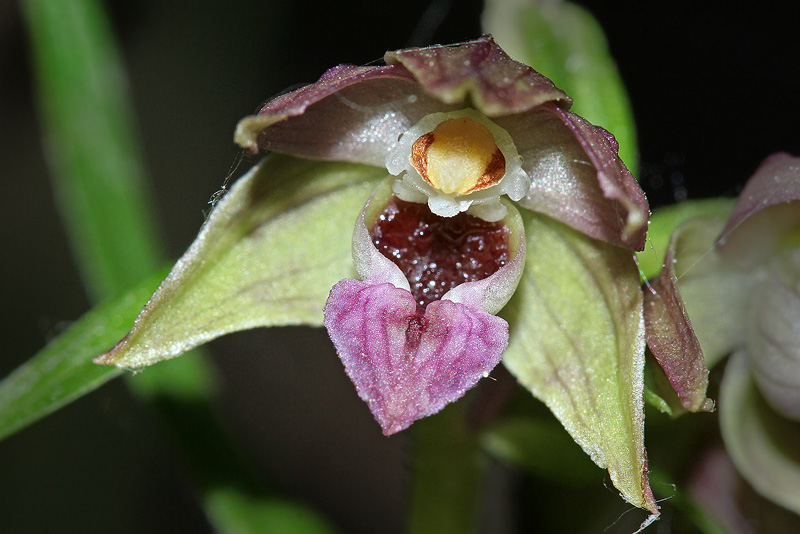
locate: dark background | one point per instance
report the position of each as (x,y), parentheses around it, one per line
(713,92)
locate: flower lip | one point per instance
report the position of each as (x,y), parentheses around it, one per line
(489,294)
(405,362)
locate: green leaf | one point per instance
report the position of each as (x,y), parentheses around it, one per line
(657,391)
(232,512)
(664,221)
(762,444)
(565,43)
(94,160)
(63,371)
(540,447)
(268,255)
(99,179)
(577,343)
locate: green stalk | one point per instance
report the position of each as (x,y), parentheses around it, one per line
(448,474)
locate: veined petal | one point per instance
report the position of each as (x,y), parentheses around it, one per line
(408,365)
(577,176)
(481,72)
(356,113)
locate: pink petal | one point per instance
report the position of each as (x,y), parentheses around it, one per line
(480,72)
(577,177)
(407,365)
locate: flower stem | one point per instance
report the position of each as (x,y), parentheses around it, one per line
(448,474)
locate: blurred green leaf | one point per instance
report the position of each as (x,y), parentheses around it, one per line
(63,371)
(92,151)
(577,343)
(268,255)
(542,448)
(234,513)
(762,444)
(99,180)
(565,43)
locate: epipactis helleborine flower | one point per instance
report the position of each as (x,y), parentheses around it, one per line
(740,283)
(461,128)
(476,170)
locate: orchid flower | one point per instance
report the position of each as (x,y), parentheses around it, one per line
(474,184)
(739,282)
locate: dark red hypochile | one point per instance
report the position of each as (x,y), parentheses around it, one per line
(438,253)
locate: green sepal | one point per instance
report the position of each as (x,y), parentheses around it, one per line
(577,343)
(564,42)
(267,256)
(540,447)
